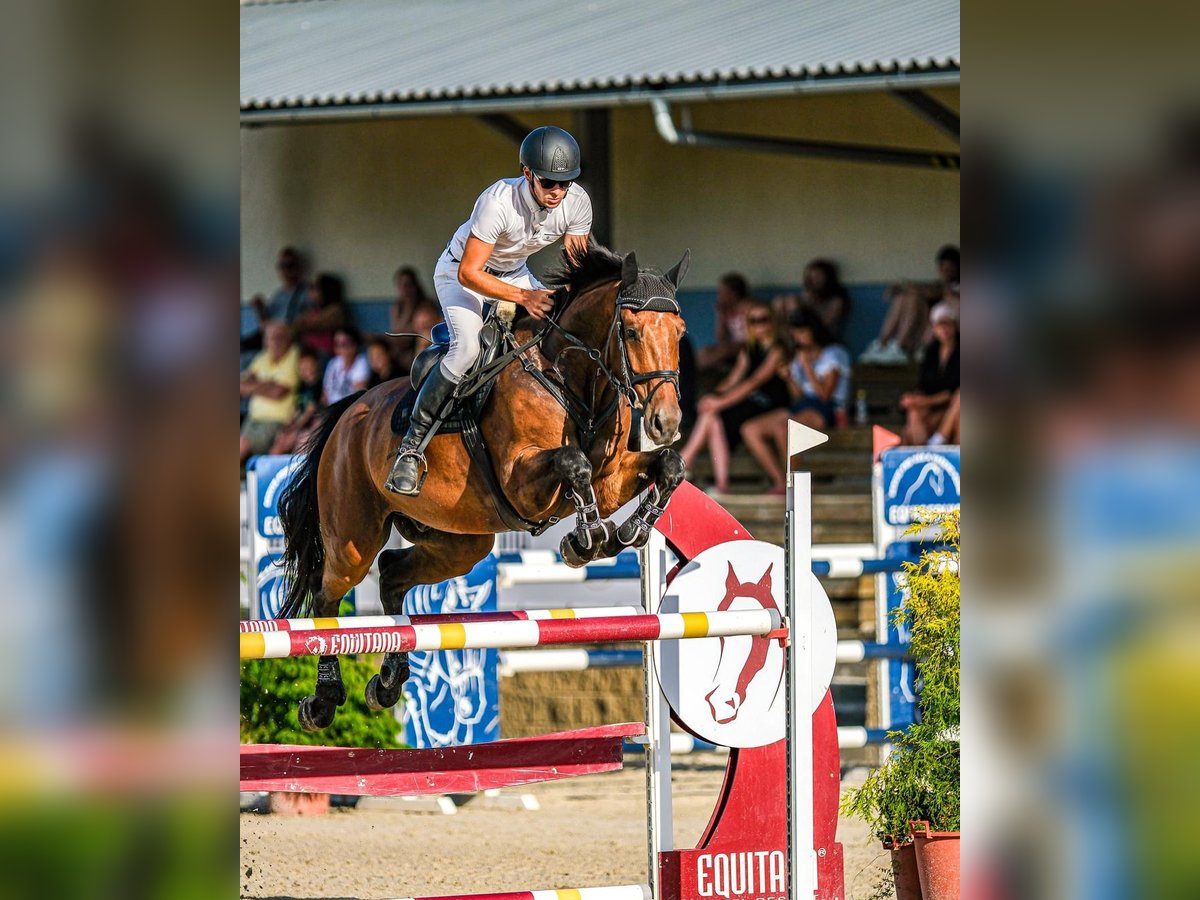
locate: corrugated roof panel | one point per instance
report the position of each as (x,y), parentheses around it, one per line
(352,51)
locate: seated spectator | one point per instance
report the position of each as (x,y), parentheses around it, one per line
(323,313)
(348,371)
(412,316)
(931,411)
(270,382)
(823,293)
(732,295)
(904,325)
(751,389)
(305,419)
(379,359)
(818,379)
(285,301)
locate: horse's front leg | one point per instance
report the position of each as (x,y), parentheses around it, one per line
(666,472)
(592,533)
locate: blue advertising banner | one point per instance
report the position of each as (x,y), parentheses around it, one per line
(452,697)
(266,477)
(919,477)
(925,478)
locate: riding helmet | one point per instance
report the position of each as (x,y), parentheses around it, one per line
(551,153)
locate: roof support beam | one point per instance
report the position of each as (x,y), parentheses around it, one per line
(942,117)
(928,159)
(506,125)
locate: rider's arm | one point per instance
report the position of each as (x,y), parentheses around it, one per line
(471,275)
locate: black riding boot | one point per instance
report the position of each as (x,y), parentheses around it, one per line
(406,477)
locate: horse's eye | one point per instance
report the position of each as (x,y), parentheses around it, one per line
(631,334)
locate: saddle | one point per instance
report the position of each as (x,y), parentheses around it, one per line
(498,348)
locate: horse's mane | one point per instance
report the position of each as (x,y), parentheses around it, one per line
(577,273)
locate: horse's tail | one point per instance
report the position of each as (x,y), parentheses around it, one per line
(304,555)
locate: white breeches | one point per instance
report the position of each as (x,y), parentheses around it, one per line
(463,309)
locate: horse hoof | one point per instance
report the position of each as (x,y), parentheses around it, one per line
(570,553)
(379,697)
(315,713)
(394,671)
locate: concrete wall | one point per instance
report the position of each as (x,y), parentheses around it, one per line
(361,198)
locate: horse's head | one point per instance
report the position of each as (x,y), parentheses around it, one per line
(649,327)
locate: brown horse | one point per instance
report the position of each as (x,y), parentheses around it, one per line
(557,425)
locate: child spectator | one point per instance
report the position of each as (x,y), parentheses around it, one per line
(270,382)
(348,371)
(904,325)
(379,359)
(295,433)
(931,411)
(818,379)
(732,295)
(323,313)
(413,313)
(823,293)
(751,389)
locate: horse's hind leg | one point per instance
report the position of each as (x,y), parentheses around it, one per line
(346,564)
(435,556)
(666,473)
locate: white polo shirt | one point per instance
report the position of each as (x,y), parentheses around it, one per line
(507,215)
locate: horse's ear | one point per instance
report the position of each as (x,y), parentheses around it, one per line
(731,580)
(675,276)
(629,270)
(765,581)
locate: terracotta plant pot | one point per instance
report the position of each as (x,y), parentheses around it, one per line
(295,803)
(937,861)
(904,869)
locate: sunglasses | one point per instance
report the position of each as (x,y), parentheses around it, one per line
(549,185)
(758,320)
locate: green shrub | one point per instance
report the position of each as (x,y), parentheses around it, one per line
(921,778)
(272,688)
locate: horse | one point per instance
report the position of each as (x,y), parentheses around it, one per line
(561,426)
(741,658)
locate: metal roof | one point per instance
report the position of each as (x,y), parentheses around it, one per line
(319,54)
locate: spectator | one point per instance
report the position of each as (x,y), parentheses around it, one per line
(323,313)
(295,433)
(270,382)
(348,371)
(733,293)
(751,389)
(904,325)
(823,293)
(818,379)
(931,410)
(379,359)
(284,302)
(412,316)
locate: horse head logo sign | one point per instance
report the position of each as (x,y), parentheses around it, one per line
(924,478)
(741,658)
(730,690)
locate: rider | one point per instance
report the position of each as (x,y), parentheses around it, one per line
(486,260)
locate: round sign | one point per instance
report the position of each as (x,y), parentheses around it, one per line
(730,690)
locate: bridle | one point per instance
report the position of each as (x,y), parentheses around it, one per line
(639,297)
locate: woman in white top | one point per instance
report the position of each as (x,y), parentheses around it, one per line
(486,260)
(347,370)
(818,378)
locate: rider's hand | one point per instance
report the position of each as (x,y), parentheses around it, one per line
(537,303)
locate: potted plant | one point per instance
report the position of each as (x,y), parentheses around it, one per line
(917,790)
(270,691)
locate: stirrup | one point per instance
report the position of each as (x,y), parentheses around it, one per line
(422,472)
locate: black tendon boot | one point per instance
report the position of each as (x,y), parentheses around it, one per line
(409,470)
